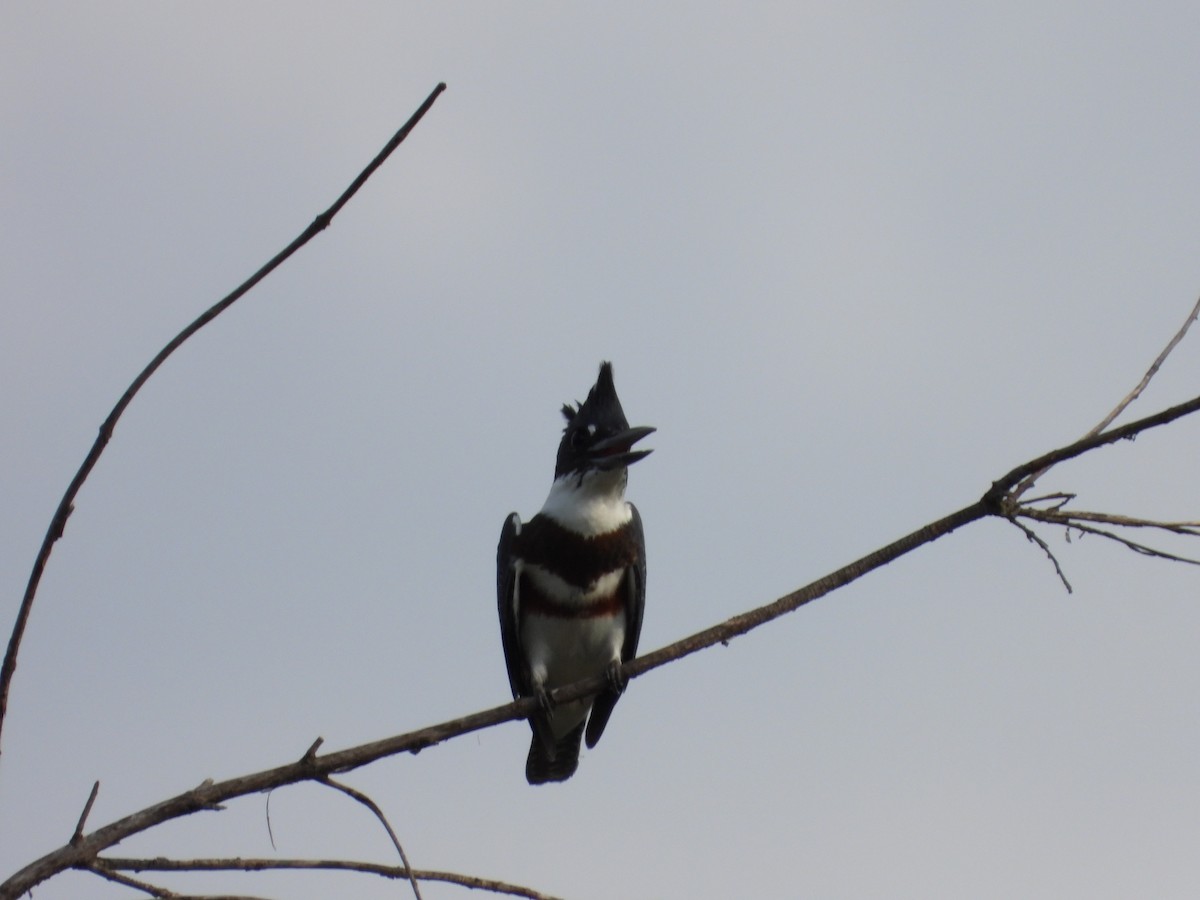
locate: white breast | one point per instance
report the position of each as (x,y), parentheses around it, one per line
(561,591)
(595,506)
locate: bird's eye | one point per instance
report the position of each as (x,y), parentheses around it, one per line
(577,438)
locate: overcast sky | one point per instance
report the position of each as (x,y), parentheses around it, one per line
(854,261)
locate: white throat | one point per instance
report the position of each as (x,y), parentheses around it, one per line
(593,504)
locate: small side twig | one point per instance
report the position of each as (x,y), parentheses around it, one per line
(1030,479)
(1061,516)
(374,807)
(270,833)
(1056,500)
(1135,546)
(128,881)
(87,809)
(1088,523)
(311,753)
(1032,536)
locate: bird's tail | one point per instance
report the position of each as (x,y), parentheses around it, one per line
(542,766)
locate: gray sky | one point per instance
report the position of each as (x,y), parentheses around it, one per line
(854,261)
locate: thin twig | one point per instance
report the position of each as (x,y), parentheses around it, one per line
(1136,547)
(87,808)
(1059,499)
(270,833)
(1032,536)
(374,807)
(311,753)
(240,864)
(116,877)
(1060,516)
(67,505)
(1029,480)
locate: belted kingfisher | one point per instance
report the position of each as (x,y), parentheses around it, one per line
(571,582)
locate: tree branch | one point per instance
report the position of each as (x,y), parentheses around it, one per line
(313,767)
(67,505)
(1032,537)
(263,865)
(370,804)
(1081,522)
(1002,488)
(87,809)
(1032,478)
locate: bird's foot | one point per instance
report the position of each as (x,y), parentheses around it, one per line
(545,701)
(616,678)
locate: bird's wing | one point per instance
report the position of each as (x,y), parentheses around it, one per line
(634,587)
(506,602)
(635,591)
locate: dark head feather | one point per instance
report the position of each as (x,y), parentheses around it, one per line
(590,423)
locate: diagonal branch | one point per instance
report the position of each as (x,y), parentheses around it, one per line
(370,804)
(1032,477)
(135,883)
(87,809)
(997,501)
(339,865)
(1002,489)
(67,505)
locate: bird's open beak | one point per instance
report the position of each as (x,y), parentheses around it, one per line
(615,453)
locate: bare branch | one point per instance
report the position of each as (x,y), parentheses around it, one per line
(1029,480)
(118,878)
(1060,516)
(1086,522)
(1136,547)
(262,865)
(270,832)
(997,501)
(1034,539)
(311,753)
(87,808)
(1070,521)
(374,807)
(1002,488)
(67,505)
(1056,500)
(210,794)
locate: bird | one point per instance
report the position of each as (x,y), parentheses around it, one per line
(571,582)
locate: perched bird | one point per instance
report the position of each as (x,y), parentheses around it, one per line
(571,582)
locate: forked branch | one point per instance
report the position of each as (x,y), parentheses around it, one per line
(1057,513)
(1028,482)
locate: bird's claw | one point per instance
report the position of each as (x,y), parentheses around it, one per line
(545,701)
(616,677)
